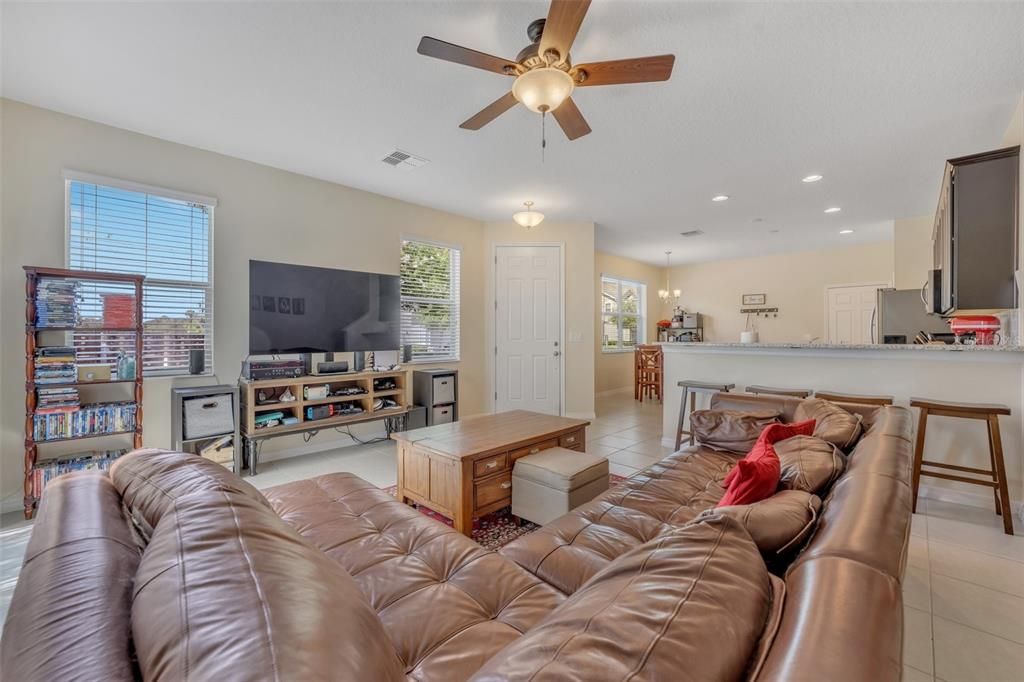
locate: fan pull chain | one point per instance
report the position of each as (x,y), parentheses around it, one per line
(543,134)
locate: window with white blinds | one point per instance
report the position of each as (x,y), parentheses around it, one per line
(125,228)
(430,276)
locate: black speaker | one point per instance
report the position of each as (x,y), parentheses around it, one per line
(358,361)
(407,353)
(196,361)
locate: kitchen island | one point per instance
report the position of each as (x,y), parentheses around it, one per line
(983,374)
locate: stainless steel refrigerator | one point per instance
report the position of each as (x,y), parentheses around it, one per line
(900,314)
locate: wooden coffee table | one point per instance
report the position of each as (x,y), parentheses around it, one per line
(464,469)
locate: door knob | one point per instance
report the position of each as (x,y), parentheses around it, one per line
(556,353)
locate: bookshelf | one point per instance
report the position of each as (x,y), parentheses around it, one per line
(57,303)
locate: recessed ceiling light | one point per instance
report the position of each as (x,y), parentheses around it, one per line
(774,231)
(845,231)
(833,209)
(720,197)
(812,178)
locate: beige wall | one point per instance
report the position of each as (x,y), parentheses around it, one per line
(613,371)
(912,251)
(577,240)
(263,213)
(793,282)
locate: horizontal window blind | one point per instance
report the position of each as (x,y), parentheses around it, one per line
(622,314)
(112,229)
(431,277)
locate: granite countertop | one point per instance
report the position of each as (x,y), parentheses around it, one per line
(910,347)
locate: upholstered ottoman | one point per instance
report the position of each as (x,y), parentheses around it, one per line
(554,482)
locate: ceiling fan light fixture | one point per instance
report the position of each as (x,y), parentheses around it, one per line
(528,218)
(543,89)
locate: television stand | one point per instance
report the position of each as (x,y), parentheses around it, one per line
(391,385)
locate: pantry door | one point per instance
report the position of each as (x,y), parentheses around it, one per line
(850,312)
(528,328)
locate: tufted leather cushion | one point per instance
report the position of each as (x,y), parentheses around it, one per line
(730,430)
(808,463)
(69,613)
(150,480)
(446,603)
(776,524)
(226,590)
(833,423)
(655,613)
(668,494)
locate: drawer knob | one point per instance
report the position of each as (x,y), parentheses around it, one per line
(534,451)
(506,485)
(491,465)
(570,439)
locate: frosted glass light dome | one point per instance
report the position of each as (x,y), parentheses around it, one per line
(543,89)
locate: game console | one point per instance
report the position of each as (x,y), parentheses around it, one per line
(334,367)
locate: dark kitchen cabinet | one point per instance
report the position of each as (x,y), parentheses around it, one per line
(975,237)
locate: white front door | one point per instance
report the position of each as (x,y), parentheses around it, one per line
(528,329)
(850,313)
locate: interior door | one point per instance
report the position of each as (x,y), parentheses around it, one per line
(850,313)
(528,328)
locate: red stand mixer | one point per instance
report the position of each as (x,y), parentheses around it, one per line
(984,327)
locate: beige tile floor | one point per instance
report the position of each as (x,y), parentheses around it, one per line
(963,592)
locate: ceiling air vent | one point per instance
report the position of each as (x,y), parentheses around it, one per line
(692,233)
(404,160)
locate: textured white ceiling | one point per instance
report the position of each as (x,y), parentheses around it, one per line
(874,96)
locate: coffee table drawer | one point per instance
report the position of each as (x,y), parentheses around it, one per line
(490,465)
(495,489)
(513,455)
(572,440)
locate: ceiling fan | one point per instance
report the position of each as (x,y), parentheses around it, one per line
(545,77)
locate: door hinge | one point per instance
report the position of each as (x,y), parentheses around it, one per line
(495,395)
(495,259)
(495,351)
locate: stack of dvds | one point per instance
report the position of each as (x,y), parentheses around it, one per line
(57,303)
(57,400)
(89,420)
(46,471)
(55,365)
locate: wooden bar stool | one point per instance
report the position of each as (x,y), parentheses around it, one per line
(692,388)
(990,415)
(648,372)
(855,398)
(770,390)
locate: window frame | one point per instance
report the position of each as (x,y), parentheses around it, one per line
(640,315)
(455,299)
(70,176)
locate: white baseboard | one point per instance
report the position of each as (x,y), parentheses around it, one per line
(625,390)
(11,503)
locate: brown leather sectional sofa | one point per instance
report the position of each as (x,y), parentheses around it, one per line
(171,568)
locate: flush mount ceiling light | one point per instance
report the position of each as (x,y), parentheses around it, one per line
(544,89)
(812,178)
(833,209)
(845,231)
(528,218)
(720,197)
(668,291)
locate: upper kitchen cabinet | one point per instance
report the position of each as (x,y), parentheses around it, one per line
(975,235)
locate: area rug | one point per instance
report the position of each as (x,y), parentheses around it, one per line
(494,530)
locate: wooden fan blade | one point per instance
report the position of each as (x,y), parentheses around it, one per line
(638,70)
(439,49)
(571,120)
(490,112)
(561,26)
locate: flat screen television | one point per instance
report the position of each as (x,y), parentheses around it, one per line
(303,309)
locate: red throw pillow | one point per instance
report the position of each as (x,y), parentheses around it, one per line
(754,479)
(756,476)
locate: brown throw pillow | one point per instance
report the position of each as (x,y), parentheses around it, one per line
(776,524)
(808,463)
(730,430)
(832,423)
